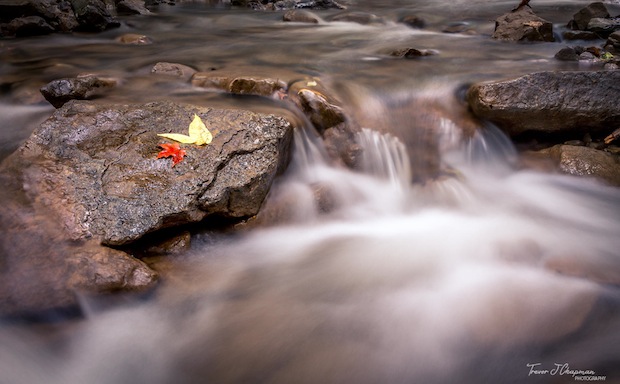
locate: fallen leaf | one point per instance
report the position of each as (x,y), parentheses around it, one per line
(198,133)
(172,150)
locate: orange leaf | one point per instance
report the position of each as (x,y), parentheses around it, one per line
(172,150)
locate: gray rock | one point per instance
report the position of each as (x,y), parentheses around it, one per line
(614,40)
(604,27)
(95,168)
(523,24)
(582,18)
(131,7)
(587,56)
(580,35)
(567,54)
(40,270)
(27,26)
(585,161)
(58,92)
(57,13)
(550,102)
(92,15)
(412,53)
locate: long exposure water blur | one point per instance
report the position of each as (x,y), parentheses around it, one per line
(496,275)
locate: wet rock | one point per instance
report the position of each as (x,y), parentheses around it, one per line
(587,56)
(614,40)
(550,102)
(282,5)
(604,26)
(301,16)
(567,54)
(27,26)
(210,81)
(131,7)
(412,53)
(253,86)
(523,25)
(459,27)
(173,69)
(174,245)
(242,85)
(56,13)
(40,270)
(585,161)
(58,92)
(413,21)
(582,18)
(92,15)
(580,35)
(134,39)
(322,113)
(95,169)
(358,17)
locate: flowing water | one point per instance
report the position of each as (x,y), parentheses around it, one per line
(489,274)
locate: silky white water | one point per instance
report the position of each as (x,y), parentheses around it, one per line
(465,279)
(482,275)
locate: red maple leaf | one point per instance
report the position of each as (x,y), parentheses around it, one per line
(172,150)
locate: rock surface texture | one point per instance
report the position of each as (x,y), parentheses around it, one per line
(96,167)
(550,102)
(89,175)
(523,25)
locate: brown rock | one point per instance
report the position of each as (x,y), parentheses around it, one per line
(523,24)
(173,69)
(134,38)
(585,161)
(300,16)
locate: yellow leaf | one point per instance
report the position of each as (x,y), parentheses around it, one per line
(198,133)
(178,137)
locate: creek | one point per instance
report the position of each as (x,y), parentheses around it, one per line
(495,274)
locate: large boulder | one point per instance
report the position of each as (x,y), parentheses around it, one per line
(95,167)
(523,24)
(582,18)
(550,102)
(90,175)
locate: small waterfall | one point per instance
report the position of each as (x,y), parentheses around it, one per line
(385,156)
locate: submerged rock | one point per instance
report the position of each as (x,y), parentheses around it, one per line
(523,24)
(242,85)
(173,69)
(550,102)
(93,15)
(95,168)
(585,161)
(300,16)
